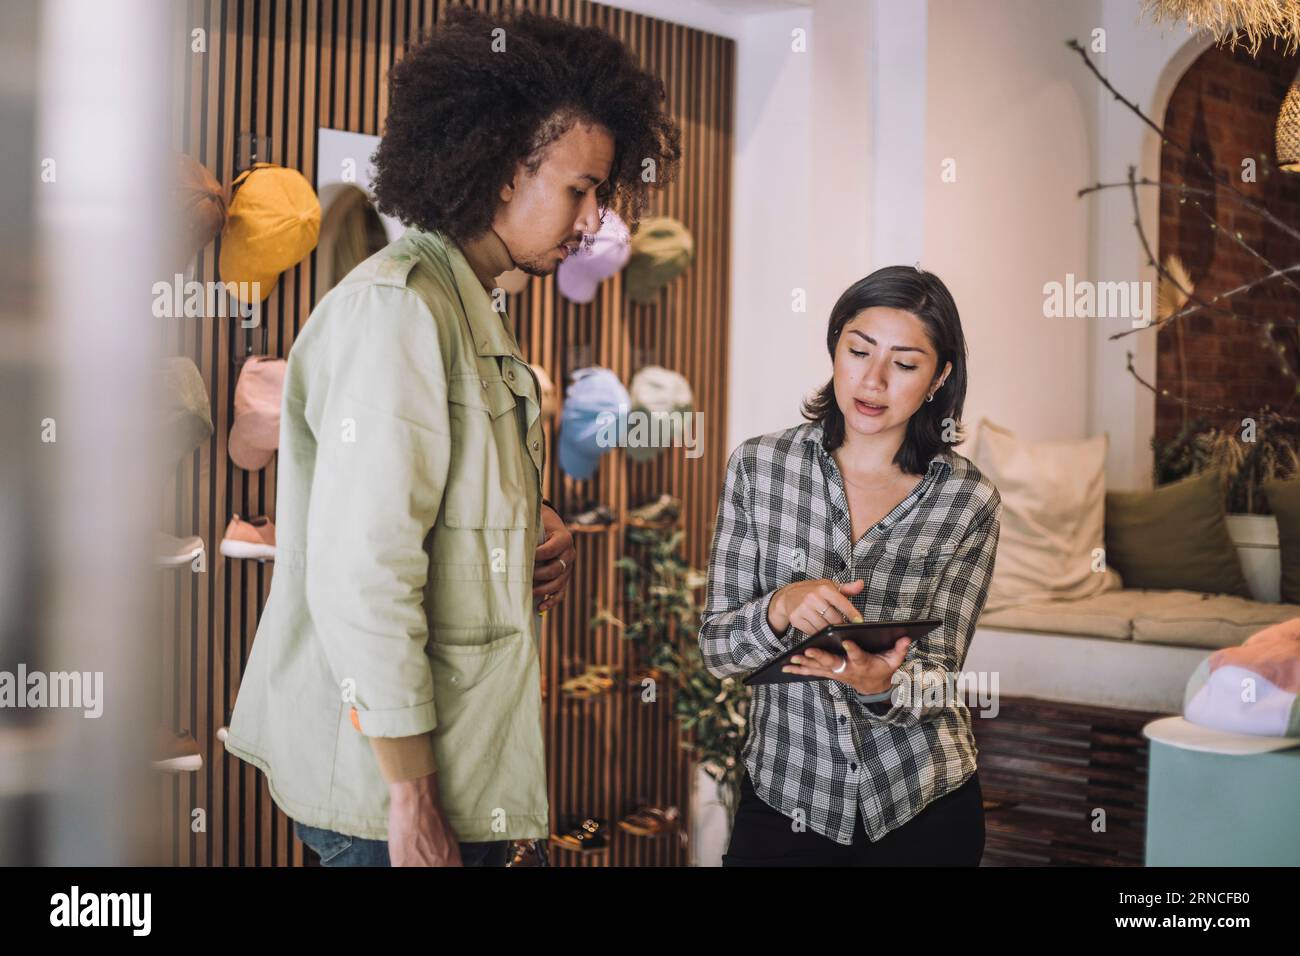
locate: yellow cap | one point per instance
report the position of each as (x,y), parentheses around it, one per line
(272,225)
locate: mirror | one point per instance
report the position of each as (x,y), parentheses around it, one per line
(351,229)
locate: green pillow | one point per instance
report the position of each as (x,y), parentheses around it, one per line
(1174,537)
(1284,499)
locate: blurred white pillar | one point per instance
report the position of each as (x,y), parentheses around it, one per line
(102,131)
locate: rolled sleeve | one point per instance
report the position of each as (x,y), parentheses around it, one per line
(924,684)
(378,409)
(404,758)
(735,636)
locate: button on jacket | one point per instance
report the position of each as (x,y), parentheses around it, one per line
(408,510)
(817,750)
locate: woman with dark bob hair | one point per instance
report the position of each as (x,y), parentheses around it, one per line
(864,512)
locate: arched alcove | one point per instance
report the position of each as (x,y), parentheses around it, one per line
(1224,105)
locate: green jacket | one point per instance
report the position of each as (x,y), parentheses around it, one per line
(408,509)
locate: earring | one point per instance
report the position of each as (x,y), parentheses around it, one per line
(930,397)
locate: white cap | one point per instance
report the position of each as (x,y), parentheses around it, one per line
(1181,732)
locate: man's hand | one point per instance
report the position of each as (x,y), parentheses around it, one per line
(554,561)
(418,833)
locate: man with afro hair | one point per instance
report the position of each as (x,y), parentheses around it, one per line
(392,694)
(508,133)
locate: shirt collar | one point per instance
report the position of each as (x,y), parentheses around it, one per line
(940,462)
(491,337)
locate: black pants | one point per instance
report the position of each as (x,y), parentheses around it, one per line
(948,832)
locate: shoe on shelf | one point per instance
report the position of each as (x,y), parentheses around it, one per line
(595,517)
(594,681)
(176,752)
(528,853)
(252,538)
(646,673)
(649,821)
(590,836)
(173,552)
(662,511)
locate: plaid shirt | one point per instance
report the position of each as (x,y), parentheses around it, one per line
(817,750)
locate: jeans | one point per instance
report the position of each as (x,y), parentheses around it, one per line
(949,831)
(342,849)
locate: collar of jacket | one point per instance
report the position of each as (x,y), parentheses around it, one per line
(814,433)
(486,324)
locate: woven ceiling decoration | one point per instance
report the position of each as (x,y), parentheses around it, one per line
(1288,129)
(1234,21)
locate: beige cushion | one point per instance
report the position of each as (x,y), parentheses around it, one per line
(1182,618)
(1195,619)
(1109,614)
(1053,517)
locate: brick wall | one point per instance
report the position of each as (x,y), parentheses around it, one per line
(1226,105)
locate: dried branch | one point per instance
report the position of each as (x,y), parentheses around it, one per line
(1199,303)
(1275,270)
(1206,166)
(1263,415)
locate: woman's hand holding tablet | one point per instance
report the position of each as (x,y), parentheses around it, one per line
(863,655)
(864,672)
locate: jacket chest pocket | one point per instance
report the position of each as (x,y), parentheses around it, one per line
(485,478)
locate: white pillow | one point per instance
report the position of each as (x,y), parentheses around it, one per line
(1053,516)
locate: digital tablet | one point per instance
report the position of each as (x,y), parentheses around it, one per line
(874,637)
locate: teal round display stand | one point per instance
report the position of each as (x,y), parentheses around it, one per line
(1212,809)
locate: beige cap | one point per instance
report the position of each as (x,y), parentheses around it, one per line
(550,397)
(255,435)
(658,391)
(513,281)
(200,205)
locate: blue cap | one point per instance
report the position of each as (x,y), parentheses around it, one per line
(593,393)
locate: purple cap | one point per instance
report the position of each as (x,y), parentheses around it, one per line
(594,262)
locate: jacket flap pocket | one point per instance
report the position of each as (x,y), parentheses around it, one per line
(490,394)
(465,665)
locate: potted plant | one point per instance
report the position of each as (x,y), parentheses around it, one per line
(660,615)
(1245,465)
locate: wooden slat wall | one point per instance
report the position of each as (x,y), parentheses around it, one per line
(283,68)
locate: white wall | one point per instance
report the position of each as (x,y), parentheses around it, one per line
(772,359)
(837,172)
(1014,109)
(827,187)
(1144,63)
(720,18)
(898,88)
